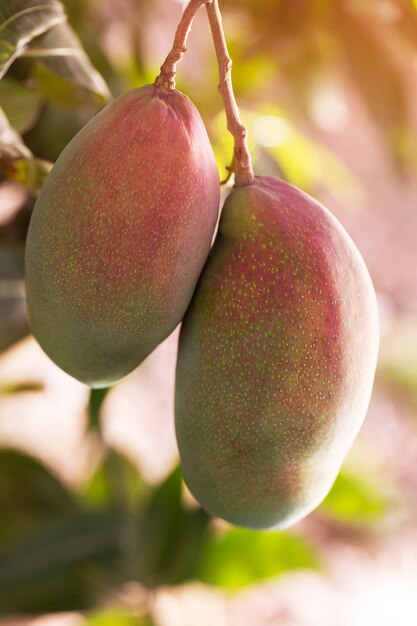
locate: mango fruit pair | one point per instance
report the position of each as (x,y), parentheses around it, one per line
(278,345)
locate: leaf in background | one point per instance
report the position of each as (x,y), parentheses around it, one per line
(64,72)
(116,481)
(251,74)
(21,21)
(29,493)
(63,566)
(11,144)
(355,499)
(39,29)
(304,162)
(20,104)
(97,397)
(29,172)
(13,314)
(238,557)
(16,160)
(116,618)
(172,536)
(397,363)
(11,388)
(266,164)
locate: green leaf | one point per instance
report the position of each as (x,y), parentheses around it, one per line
(29,494)
(21,21)
(62,566)
(39,29)
(13,314)
(11,143)
(30,172)
(12,388)
(398,358)
(307,164)
(64,73)
(20,104)
(97,397)
(238,557)
(115,617)
(355,499)
(115,482)
(16,160)
(172,536)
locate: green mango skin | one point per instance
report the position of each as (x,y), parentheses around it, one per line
(277,355)
(120,233)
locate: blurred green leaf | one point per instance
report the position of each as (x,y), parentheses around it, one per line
(238,557)
(38,29)
(266,164)
(12,388)
(29,494)
(16,160)
(54,130)
(30,172)
(279,149)
(21,21)
(398,358)
(11,143)
(21,104)
(115,481)
(172,536)
(356,499)
(116,618)
(97,397)
(13,314)
(253,73)
(62,566)
(97,491)
(64,73)
(306,164)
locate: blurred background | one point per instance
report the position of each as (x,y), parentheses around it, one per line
(96,527)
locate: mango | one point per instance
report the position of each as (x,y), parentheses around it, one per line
(120,233)
(277,355)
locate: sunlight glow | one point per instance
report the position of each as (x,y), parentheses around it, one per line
(271,131)
(329,109)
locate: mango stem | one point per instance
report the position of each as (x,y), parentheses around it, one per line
(242,159)
(166,78)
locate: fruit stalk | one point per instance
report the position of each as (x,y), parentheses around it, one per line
(166,78)
(242,158)
(242,162)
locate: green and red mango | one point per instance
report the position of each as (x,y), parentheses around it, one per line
(277,356)
(120,233)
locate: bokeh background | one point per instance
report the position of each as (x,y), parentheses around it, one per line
(96,527)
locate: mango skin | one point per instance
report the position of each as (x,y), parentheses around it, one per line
(277,356)
(120,233)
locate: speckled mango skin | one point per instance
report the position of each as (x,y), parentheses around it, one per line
(277,356)
(120,233)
